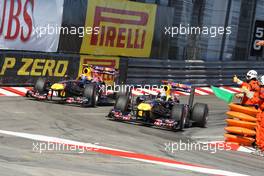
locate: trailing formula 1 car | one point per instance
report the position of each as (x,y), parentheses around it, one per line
(88,89)
(163,110)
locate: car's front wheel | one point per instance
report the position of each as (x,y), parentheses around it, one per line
(123,90)
(199,114)
(122,103)
(90,93)
(177,114)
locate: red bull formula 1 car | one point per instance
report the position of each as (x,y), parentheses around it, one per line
(163,110)
(88,89)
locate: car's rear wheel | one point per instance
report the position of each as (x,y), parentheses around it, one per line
(199,114)
(122,103)
(177,114)
(40,85)
(91,94)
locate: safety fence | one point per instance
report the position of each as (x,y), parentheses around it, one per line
(200,73)
(23,68)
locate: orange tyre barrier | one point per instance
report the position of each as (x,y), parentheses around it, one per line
(239,123)
(241,116)
(241,140)
(252,111)
(240,131)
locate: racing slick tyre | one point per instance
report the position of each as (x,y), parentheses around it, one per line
(40,85)
(91,94)
(122,103)
(199,114)
(124,90)
(177,113)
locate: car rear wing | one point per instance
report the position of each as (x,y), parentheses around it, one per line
(101,69)
(187,88)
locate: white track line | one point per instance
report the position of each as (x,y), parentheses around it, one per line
(53,139)
(236,148)
(177,165)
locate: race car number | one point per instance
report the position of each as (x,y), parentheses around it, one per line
(258,36)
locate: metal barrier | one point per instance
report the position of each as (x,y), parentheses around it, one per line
(196,72)
(23,68)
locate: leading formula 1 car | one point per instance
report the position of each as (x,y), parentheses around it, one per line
(88,89)
(163,110)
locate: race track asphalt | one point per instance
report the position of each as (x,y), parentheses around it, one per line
(89,125)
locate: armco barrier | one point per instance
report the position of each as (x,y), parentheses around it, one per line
(23,68)
(200,73)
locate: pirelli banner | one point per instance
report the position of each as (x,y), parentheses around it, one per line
(125,28)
